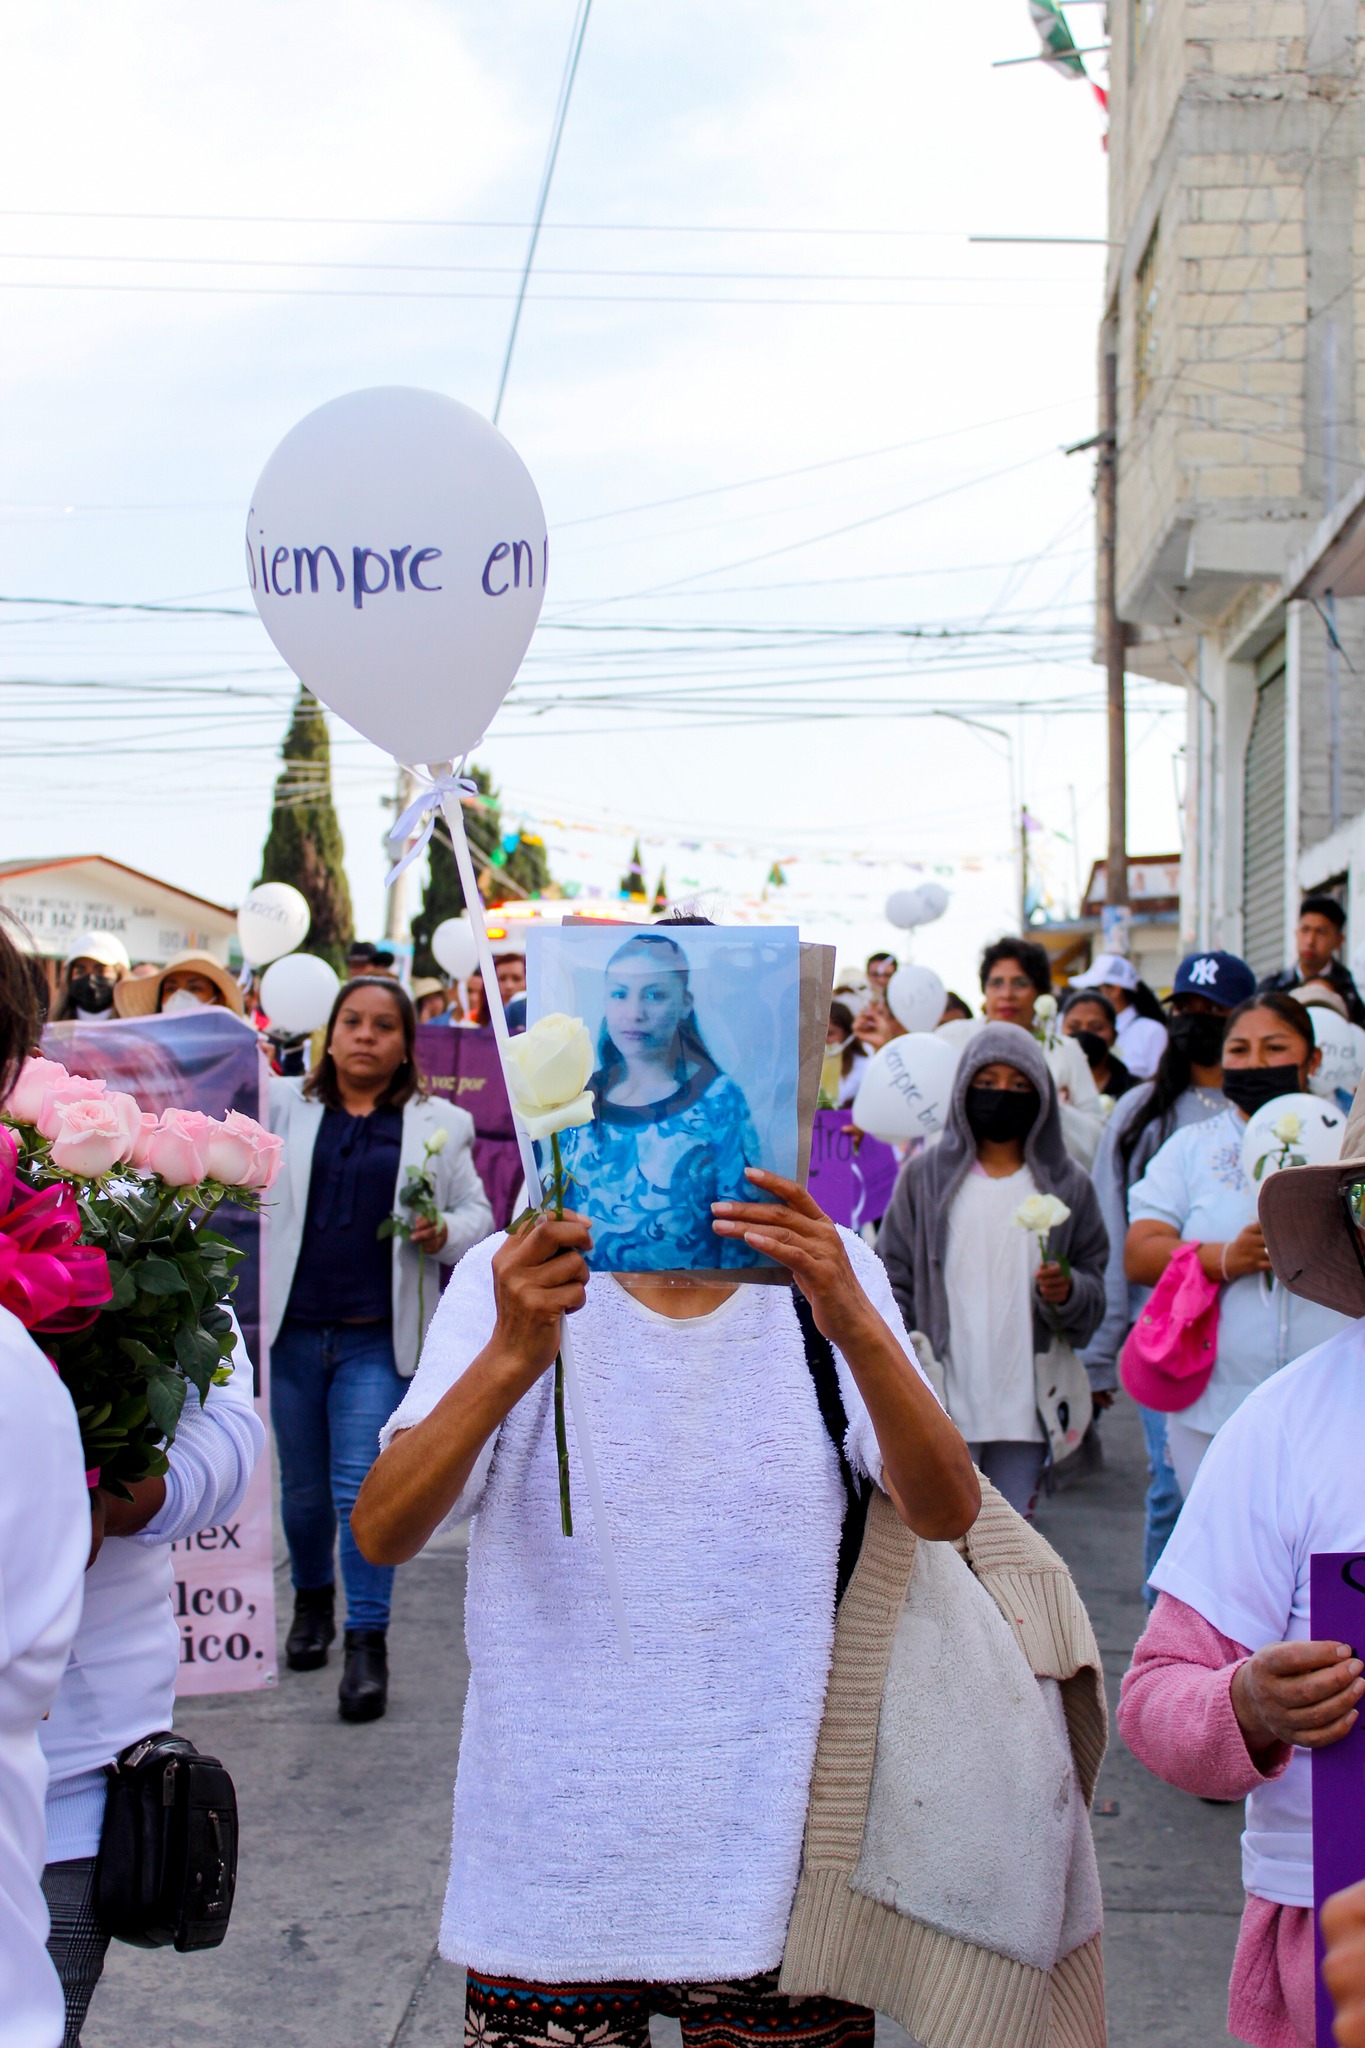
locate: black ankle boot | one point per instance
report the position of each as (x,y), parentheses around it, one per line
(364,1690)
(314,1627)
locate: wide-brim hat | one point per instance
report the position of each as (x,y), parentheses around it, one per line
(142,997)
(1307,1231)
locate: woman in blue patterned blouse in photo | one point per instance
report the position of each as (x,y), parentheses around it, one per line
(672,1133)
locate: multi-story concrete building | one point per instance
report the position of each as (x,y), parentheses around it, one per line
(1236,318)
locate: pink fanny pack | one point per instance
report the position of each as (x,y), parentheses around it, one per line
(1170,1351)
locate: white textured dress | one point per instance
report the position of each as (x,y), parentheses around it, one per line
(643,1821)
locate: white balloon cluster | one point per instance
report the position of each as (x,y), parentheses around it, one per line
(273,920)
(909,908)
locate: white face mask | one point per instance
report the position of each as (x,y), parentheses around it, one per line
(182,1002)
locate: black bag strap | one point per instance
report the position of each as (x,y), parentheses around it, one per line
(834,1415)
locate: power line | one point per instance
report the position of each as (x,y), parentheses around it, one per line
(619,227)
(580,29)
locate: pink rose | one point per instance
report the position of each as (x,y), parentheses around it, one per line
(269,1159)
(176,1148)
(129,1112)
(142,1137)
(25,1098)
(75,1088)
(89,1136)
(230,1153)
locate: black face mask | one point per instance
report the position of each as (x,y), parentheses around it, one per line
(1199,1037)
(999,1114)
(92,992)
(1249,1088)
(1095,1048)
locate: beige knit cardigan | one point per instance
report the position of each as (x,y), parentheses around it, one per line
(946,1992)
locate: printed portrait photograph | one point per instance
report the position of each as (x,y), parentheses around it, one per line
(696,1036)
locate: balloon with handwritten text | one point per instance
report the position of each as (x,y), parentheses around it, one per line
(397,553)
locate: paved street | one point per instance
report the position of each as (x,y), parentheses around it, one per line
(345,1833)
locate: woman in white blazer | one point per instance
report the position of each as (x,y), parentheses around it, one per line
(348,1307)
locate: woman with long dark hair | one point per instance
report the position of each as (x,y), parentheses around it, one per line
(671,1133)
(1187,1088)
(1196,1192)
(349,1307)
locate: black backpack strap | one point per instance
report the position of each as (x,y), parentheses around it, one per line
(825,1374)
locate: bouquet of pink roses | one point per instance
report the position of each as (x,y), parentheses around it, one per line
(144,1188)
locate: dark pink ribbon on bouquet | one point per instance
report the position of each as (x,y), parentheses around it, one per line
(49,1280)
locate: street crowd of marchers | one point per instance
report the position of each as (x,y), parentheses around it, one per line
(779,1745)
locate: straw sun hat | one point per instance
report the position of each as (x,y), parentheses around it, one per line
(142,997)
(1313,1246)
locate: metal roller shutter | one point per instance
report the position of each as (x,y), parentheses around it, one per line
(1264,851)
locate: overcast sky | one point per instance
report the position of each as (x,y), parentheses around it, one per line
(758,264)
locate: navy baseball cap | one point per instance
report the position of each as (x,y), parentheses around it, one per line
(1222,977)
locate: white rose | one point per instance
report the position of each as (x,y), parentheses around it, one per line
(1045,1007)
(1289,1127)
(436,1142)
(547,1070)
(1040,1214)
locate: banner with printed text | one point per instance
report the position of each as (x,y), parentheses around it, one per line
(224,1595)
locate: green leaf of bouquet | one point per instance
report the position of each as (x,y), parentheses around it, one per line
(132,1348)
(195,1349)
(159,1276)
(165,1399)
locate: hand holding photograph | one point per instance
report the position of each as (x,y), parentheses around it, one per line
(696,1037)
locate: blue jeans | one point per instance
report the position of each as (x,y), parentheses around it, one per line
(332,1388)
(1163,1498)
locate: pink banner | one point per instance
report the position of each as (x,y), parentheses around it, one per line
(224,1596)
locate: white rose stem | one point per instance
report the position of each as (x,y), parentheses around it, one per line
(453,812)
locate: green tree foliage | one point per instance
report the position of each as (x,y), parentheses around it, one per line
(304,844)
(524,871)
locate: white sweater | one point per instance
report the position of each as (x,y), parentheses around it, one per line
(120,1682)
(44,1542)
(643,1821)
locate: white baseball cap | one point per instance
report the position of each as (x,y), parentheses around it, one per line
(102,946)
(1110,968)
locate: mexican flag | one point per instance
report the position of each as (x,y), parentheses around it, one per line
(1059,45)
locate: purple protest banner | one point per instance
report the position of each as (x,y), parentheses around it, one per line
(852,1186)
(460,1063)
(1337,1614)
(223,1594)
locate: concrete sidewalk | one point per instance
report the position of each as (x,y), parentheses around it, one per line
(346,1834)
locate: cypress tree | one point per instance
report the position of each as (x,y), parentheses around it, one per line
(526,867)
(633,880)
(304,844)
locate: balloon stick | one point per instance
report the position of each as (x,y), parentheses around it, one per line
(453,811)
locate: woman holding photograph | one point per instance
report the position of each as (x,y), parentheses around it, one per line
(671,1133)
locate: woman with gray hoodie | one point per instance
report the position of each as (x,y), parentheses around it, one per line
(967,1276)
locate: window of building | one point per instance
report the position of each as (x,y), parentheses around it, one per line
(1145,335)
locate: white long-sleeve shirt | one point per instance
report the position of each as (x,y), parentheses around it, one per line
(120,1682)
(44,1542)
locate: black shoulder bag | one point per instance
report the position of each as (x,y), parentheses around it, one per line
(167,1865)
(834,1415)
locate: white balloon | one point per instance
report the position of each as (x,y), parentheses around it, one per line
(915,997)
(1342,1046)
(397,552)
(1293,1130)
(272,921)
(454,946)
(906,1088)
(297,993)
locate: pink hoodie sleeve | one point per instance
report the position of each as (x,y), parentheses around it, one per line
(1175,1707)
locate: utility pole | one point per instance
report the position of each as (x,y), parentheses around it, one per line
(1115,636)
(396,908)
